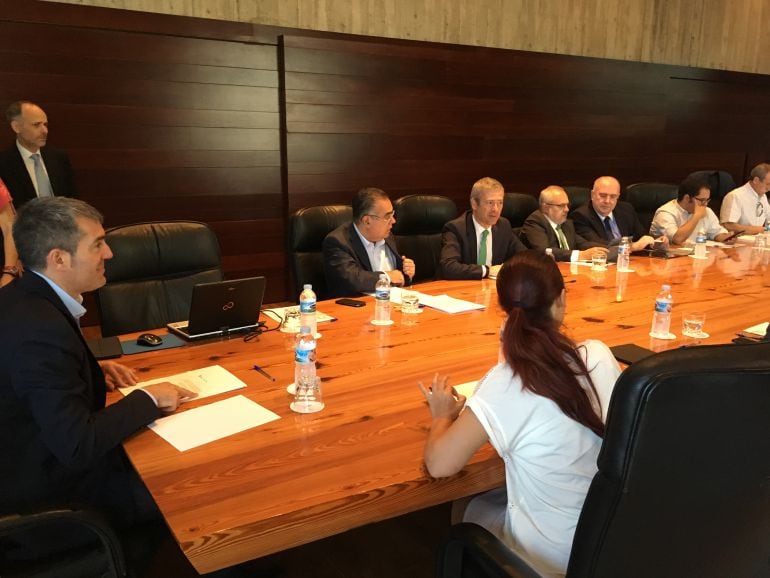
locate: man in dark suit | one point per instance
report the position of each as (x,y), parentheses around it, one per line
(605,219)
(479,241)
(59,444)
(548,227)
(355,254)
(28,168)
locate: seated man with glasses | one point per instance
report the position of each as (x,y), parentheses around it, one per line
(356,253)
(605,219)
(682,218)
(549,228)
(479,241)
(746,208)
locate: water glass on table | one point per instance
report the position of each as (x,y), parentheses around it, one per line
(599,262)
(693,323)
(410,302)
(308,397)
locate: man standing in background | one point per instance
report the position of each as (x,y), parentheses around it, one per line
(28,168)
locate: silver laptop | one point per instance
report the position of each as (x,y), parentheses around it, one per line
(222,307)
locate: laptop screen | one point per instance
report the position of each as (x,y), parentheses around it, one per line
(224,306)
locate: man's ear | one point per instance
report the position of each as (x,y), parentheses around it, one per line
(15,126)
(57,259)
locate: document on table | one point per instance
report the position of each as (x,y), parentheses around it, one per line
(758,330)
(443,303)
(467,389)
(205,382)
(196,427)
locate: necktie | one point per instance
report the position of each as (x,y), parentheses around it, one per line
(483,247)
(43,184)
(608,229)
(562,239)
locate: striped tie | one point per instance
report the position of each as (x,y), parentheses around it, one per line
(483,247)
(562,239)
(43,184)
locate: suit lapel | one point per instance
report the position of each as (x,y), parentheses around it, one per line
(358,248)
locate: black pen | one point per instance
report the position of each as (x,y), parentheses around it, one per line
(263,372)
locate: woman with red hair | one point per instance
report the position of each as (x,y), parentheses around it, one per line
(7,215)
(542,408)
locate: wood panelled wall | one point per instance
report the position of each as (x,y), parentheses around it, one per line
(237,125)
(703,33)
(159,125)
(426,118)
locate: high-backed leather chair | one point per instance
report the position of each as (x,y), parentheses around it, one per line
(152,272)
(683,481)
(517,207)
(61,543)
(721,183)
(307,229)
(578,196)
(647,197)
(419,221)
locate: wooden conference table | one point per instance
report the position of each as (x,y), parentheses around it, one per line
(305,477)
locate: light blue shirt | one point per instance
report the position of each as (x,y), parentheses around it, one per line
(75,307)
(380,258)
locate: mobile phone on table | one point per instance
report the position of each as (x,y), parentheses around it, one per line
(733,236)
(350,302)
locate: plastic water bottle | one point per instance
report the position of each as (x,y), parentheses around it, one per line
(304,355)
(549,252)
(624,253)
(382,300)
(700,244)
(767,235)
(661,317)
(307,316)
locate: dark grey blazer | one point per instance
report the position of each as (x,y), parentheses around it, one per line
(589,226)
(346,263)
(16,177)
(538,234)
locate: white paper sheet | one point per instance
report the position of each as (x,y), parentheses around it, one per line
(467,389)
(443,303)
(758,330)
(205,381)
(195,427)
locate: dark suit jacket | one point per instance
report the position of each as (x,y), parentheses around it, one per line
(538,234)
(589,226)
(346,263)
(16,178)
(58,442)
(459,251)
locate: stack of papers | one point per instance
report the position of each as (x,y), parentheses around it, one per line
(756,330)
(443,303)
(206,381)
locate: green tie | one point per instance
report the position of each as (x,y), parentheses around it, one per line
(483,247)
(562,239)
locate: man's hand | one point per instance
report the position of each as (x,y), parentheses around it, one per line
(494,270)
(396,277)
(700,212)
(117,375)
(408,266)
(589,254)
(168,395)
(642,243)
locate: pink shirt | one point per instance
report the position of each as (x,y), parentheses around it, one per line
(5,195)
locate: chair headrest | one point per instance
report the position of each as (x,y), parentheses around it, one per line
(309,226)
(422,214)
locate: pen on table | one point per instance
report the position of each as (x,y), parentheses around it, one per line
(263,372)
(570,281)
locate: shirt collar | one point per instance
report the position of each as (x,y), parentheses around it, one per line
(479,228)
(25,154)
(601,218)
(553,225)
(74,306)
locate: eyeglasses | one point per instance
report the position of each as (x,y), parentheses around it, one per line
(560,205)
(702,202)
(760,209)
(386,217)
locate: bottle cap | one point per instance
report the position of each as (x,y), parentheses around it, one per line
(307,286)
(666,287)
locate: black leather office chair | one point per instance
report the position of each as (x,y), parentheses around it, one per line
(683,485)
(647,197)
(578,196)
(721,183)
(152,273)
(419,221)
(307,229)
(517,207)
(59,544)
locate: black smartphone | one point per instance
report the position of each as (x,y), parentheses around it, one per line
(350,302)
(735,235)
